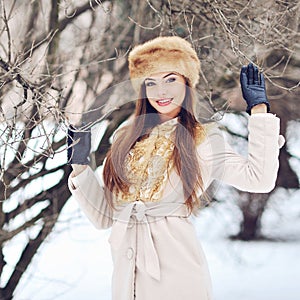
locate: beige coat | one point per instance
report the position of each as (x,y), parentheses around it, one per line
(155,250)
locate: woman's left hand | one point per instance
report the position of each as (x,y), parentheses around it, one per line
(253,87)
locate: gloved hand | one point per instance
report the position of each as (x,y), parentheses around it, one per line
(80,151)
(253,87)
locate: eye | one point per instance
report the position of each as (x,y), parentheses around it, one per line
(170,79)
(149,83)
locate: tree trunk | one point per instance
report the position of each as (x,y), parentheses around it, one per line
(252,207)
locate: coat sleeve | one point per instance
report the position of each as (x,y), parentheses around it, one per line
(87,190)
(255,173)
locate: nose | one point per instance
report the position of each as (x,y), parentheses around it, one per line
(161,90)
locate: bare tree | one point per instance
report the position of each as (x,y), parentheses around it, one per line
(228,34)
(53,57)
(63,61)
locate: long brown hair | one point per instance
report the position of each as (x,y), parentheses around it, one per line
(184,155)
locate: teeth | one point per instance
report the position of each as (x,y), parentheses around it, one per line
(164,101)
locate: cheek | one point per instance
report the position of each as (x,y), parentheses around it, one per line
(150,93)
(181,94)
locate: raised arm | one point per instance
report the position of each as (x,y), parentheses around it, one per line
(258,171)
(83,183)
(255,173)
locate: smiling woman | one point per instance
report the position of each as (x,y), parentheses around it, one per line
(166,92)
(158,167)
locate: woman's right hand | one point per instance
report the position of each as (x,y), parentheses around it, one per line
(79,146)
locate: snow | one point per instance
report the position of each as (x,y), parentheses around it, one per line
(75,262)
(260,270)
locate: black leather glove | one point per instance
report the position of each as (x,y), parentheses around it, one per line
(79,146)
(253,87)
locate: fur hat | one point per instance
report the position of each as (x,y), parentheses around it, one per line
(163,54)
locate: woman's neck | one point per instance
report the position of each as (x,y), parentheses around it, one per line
(164,118)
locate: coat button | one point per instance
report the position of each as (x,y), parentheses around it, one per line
(130,225)
(130,253)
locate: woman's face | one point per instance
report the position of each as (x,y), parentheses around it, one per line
(166,92)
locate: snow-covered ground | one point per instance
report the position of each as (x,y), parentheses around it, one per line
(75,262)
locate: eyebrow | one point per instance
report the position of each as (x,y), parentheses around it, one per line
(169,74)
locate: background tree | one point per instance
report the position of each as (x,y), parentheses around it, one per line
(63,62)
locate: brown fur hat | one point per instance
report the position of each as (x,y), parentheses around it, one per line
(163,54)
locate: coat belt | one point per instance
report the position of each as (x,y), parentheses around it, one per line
(141,211)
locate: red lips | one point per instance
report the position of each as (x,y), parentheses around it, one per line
(164,102)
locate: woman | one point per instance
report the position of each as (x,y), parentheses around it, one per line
(158,166)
